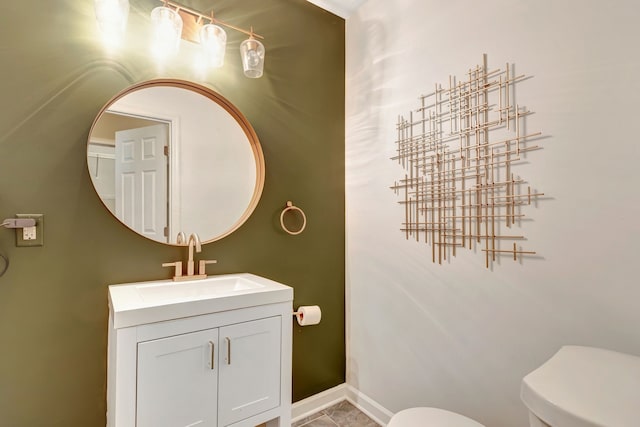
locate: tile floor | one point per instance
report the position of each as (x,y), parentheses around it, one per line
(342,414)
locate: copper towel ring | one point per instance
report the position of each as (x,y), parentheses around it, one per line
(290,207)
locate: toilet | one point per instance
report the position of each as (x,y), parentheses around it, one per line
(577,387)
(584,387)
(430,417)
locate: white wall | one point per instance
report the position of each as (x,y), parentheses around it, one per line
(459,336)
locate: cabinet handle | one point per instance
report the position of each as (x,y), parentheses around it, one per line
(228,350)
(212,348)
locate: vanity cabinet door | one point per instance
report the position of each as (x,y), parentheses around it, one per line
(177,381)
(249,369)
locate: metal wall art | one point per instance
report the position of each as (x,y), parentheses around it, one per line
(459,149)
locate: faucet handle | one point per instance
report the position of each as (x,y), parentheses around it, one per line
(178,270)
(202,263)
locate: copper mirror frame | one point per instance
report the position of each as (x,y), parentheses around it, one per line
(233,116)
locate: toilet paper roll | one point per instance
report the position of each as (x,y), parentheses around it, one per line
(308,315)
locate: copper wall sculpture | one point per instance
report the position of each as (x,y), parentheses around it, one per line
(459,150)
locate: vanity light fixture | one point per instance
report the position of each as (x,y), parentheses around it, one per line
(213,39)
(112,20)
(172,22)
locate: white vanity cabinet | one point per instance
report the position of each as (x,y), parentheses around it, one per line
(226,367)
(178,377)
(173,384)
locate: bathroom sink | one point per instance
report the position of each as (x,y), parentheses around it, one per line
(139,303)
(210,287)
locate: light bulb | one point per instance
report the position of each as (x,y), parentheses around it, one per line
(253,59)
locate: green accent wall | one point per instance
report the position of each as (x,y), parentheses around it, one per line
(55,77)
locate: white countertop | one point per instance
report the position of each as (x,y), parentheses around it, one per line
(133,304)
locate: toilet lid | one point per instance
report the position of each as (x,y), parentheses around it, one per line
(585,387)
(430,417)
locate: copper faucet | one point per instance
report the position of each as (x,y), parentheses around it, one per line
(193,243)
(194,240)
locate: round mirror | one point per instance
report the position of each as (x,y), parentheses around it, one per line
(168,157)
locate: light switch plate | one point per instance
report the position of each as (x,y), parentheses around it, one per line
(39,231)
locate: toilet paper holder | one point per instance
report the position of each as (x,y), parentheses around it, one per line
(308,315)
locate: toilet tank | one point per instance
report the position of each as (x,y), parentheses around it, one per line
(585,387)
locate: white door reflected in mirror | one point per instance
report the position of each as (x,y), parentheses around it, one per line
(141,179)
(169,156)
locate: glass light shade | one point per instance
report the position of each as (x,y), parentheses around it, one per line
(214,42)
(252,53)
(112,19)
(167,31)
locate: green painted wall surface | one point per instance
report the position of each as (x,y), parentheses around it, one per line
(55,77)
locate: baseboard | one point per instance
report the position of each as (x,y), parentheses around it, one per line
(309,406)
(330,397)
(370,407)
